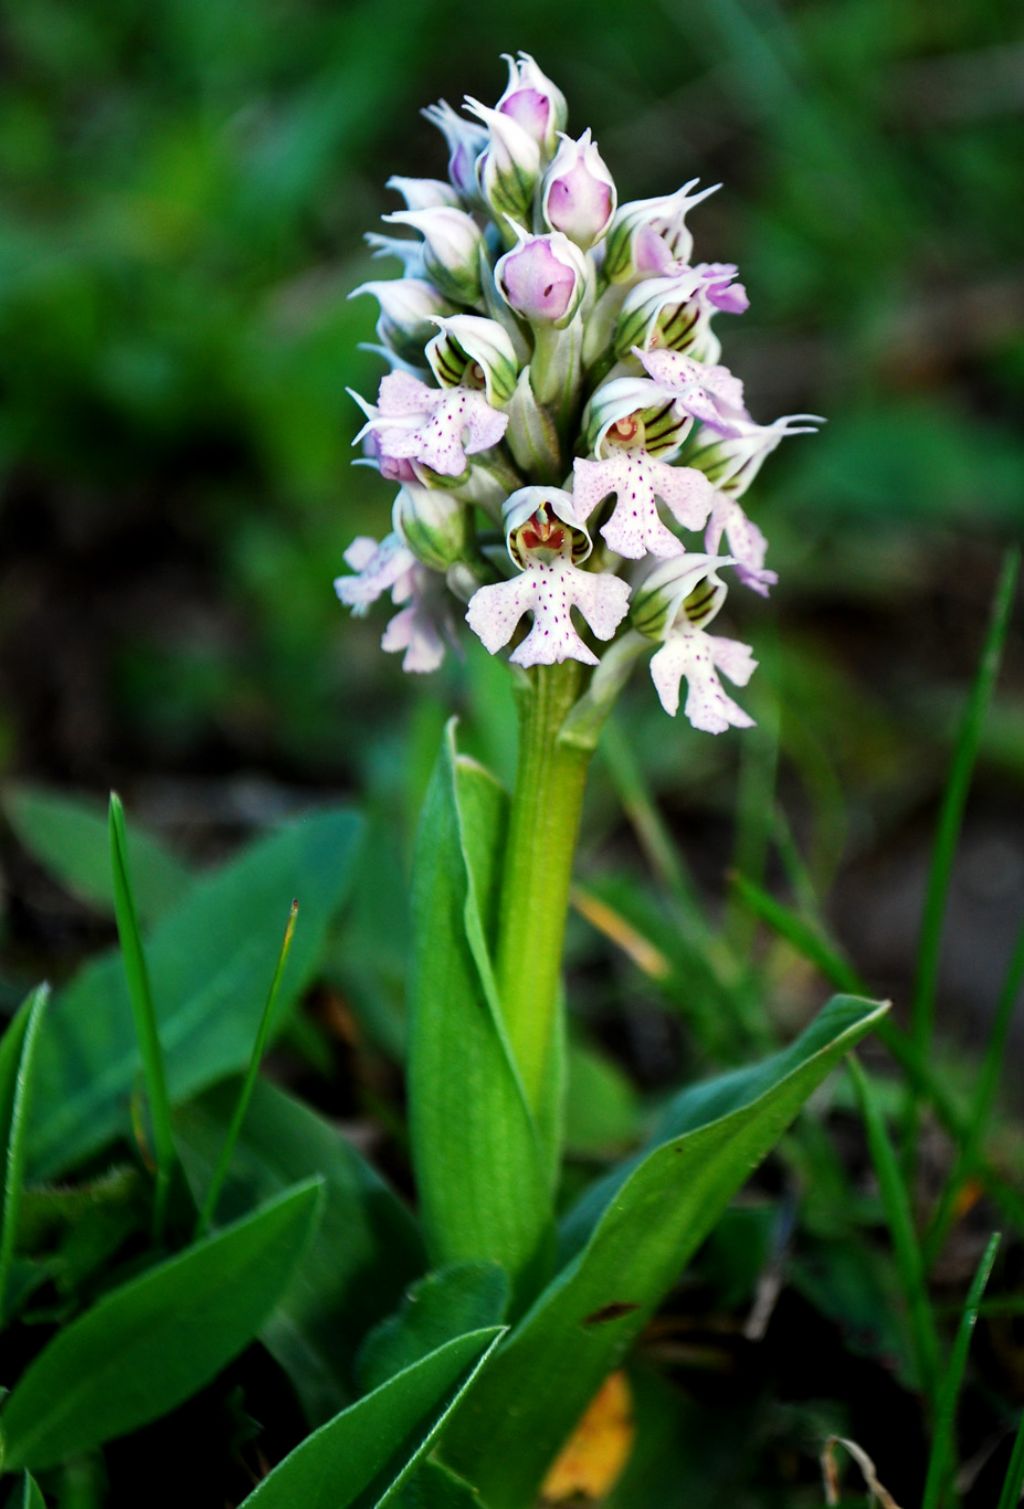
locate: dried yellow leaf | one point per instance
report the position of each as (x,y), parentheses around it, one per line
(592,1459)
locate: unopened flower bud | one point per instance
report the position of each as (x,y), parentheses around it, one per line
(684,584)
(451,253)
(408,307)
(466,141)
(533,101)
(508,169)
(731,456)
(433,524)
(579,196)
(470,351)
(424,193)
(543,278)
(629,255)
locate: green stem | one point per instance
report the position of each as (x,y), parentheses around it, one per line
(543,827)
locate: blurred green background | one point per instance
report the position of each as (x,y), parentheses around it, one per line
(185,188)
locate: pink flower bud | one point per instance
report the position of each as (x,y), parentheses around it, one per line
(542,278)
(579,192)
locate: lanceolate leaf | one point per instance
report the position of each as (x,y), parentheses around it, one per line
(632,1243)
(15,1109)
(483,1188)
(149,1345)
(360,1459)
(209,961)
(441,1306)
(364,1253)
(68,835)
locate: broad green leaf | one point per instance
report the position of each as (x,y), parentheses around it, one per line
(630,1244)
(361,1457)
(364,1253)
(209,961)
(440,1306)
(68,836)
(434,1486)
(31,1498)
(146,1347)
(14,1126)
(483,1187)
(602,1109)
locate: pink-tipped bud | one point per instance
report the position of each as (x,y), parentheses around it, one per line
(579,192)
(543,278)
(533,101)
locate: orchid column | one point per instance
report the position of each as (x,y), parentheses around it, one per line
(558,428)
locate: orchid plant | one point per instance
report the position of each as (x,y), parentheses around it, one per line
(571,462)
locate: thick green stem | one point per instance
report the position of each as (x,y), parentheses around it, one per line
(543,828)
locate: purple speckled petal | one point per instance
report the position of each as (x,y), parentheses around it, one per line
(378,567)
(746,543)
(694,655)
(634,529)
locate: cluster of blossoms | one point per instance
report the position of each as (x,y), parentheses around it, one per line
(554,377)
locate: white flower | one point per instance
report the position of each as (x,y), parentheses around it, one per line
(438,427)
(692,653)
(390,566)
(544,534)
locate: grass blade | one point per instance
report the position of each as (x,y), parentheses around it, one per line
(922,1009)
(1013,1483)
(821,951)
(14,1164)
(909,1261)
(982,1106)
(143,1011)
(943,1455)
(249,1082)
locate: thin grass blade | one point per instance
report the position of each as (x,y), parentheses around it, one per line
(259,1047)
(1013,1483)
(144,1012)
(980,1112)
(909,1261)
(922,1010)
(14,1162)
(942,1462)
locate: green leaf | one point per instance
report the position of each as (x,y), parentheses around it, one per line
(483,1186)
(434,1486)
(361,1457)
(1013,1484)
(630,1244)
(31,1498)
(602,1109)
(15,1110)
(364,1253)
(899,1217)
(947,834)
(144,1015)
(943,1458)
(448,1303)
(68,836)
(146,1347)
(209,961)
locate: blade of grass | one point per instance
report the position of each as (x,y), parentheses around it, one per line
(1013,1483)
(909,1262)
(822,951)
(942,1462)
(980,1111)
(922,1007)
(259,1047)
(14,1164)
(144,1013)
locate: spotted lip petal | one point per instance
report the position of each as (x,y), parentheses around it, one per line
(747,544)
(379,568)
(698,656)
(634,529)
(549,590)
(439,427)
(710,394)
